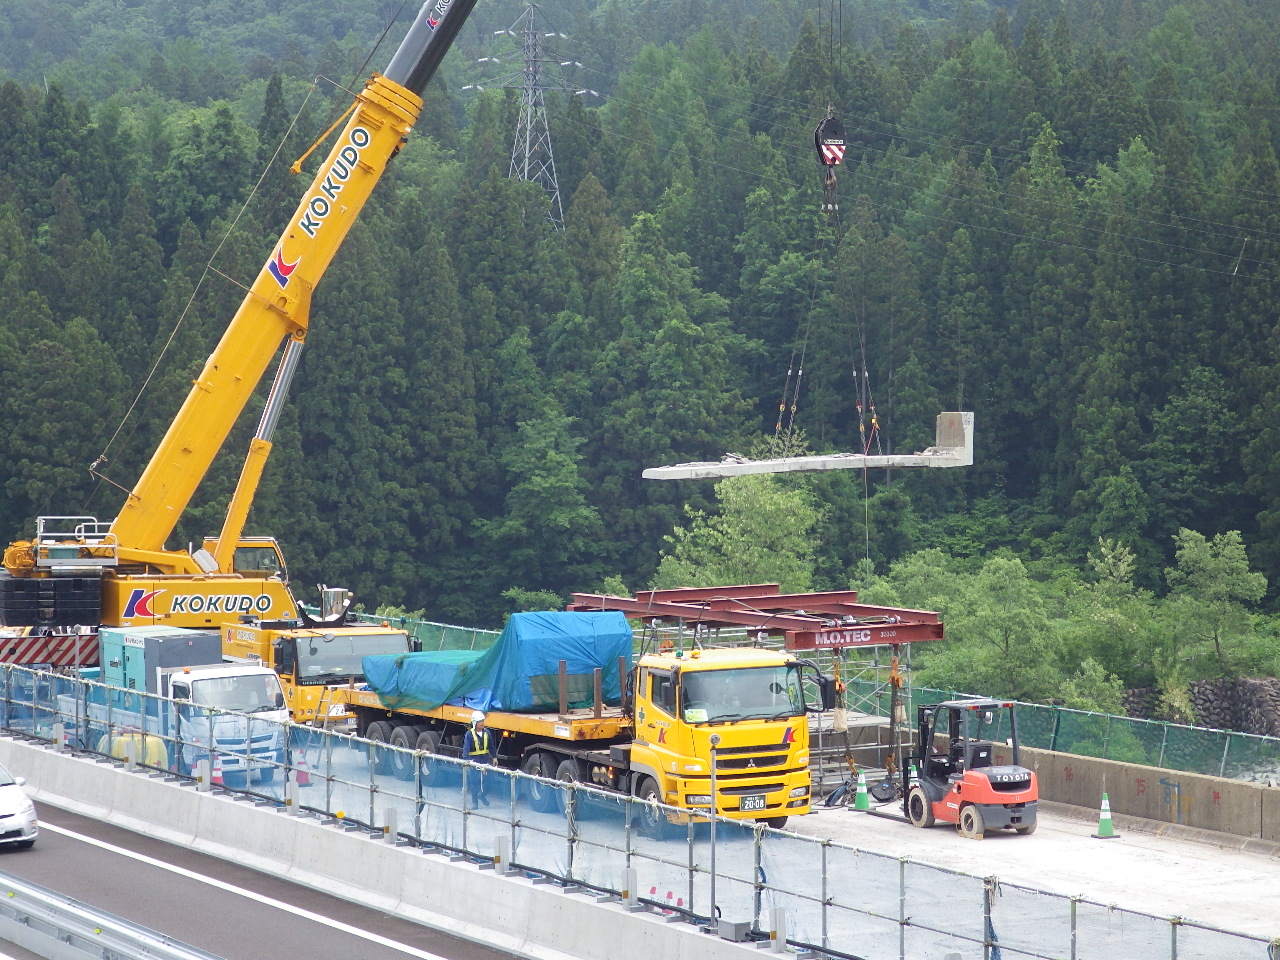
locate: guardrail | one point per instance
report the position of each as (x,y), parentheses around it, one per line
(1156,743)
(818,896)
(54,925)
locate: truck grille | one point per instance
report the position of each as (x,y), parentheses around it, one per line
(750,763)
(744,791)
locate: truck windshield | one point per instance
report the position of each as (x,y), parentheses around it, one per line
(254,693)
(331,656)
(752,693)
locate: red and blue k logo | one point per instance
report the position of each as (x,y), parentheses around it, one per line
(281,270)
(139,604)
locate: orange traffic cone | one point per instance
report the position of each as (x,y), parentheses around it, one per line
(215,770)
(301,775)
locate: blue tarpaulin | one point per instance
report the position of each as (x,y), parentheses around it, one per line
(520,672)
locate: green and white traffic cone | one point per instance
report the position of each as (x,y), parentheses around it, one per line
(862,801)
(1105,830)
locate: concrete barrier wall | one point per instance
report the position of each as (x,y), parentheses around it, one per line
(1169,796)
(511,913)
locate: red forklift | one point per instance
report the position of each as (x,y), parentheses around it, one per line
(961,784)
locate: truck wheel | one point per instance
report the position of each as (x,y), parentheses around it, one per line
(776,822)
(433,771)
(379,732)
(971,823)
(919,809)
(569,772)
(405,736)
(652,818)
(542,797)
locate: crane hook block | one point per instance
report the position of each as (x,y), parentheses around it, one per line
(828,138)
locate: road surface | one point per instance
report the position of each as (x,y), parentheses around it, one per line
(220,907)
(1138,870)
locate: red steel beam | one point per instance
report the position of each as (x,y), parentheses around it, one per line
(867,635)
(803,631)
(695,594)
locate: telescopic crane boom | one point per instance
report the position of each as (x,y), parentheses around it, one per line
(128,555)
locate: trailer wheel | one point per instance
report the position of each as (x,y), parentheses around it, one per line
(542,797)
(379,732)
(405,736)
(653,819)
(433,771)
(919,809)
(971,822)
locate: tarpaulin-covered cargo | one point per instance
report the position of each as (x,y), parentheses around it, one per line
(520,672)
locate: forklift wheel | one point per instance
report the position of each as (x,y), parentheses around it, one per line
(971,823)
(919,809)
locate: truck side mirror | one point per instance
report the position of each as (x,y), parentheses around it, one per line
(827,691)
(284,657)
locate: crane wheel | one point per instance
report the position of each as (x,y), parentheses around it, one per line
(919,809)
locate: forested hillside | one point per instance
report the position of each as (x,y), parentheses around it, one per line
(1063,215)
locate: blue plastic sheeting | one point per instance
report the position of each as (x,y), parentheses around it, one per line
(519,672)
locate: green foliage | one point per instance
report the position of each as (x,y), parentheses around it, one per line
(762,533)
(1057,217)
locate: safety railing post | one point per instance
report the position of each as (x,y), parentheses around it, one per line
(328,770)
(1074,933)
(988,928)
(902,908)
(570,825)
(826,896)
(1226,749)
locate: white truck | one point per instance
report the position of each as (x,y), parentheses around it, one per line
(169,693)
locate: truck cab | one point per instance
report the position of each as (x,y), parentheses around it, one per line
(746,707)
(311,662)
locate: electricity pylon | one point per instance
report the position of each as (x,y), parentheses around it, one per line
(532,155)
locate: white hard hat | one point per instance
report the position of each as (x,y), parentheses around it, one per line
(477,717)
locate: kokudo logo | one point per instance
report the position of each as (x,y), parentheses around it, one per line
(220,603)
(322,203)
(141,603)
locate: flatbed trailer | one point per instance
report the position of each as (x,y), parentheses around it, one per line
(687,716)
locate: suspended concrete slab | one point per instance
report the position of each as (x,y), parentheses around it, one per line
(953,447)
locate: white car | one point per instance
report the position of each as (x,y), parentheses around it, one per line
(18,825)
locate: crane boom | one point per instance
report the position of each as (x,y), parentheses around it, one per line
(277,304)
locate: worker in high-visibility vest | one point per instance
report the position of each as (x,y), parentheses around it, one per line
(478,747)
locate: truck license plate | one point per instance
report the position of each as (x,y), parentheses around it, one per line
(755,802)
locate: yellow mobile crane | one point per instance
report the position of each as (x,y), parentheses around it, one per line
(77,570)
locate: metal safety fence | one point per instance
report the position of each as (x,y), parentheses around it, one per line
(822,897)
(427,635)
(1172,746)
(1156,743)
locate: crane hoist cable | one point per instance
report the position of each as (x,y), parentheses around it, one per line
(829,142)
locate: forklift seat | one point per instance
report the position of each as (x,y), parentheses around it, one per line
(980,755)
